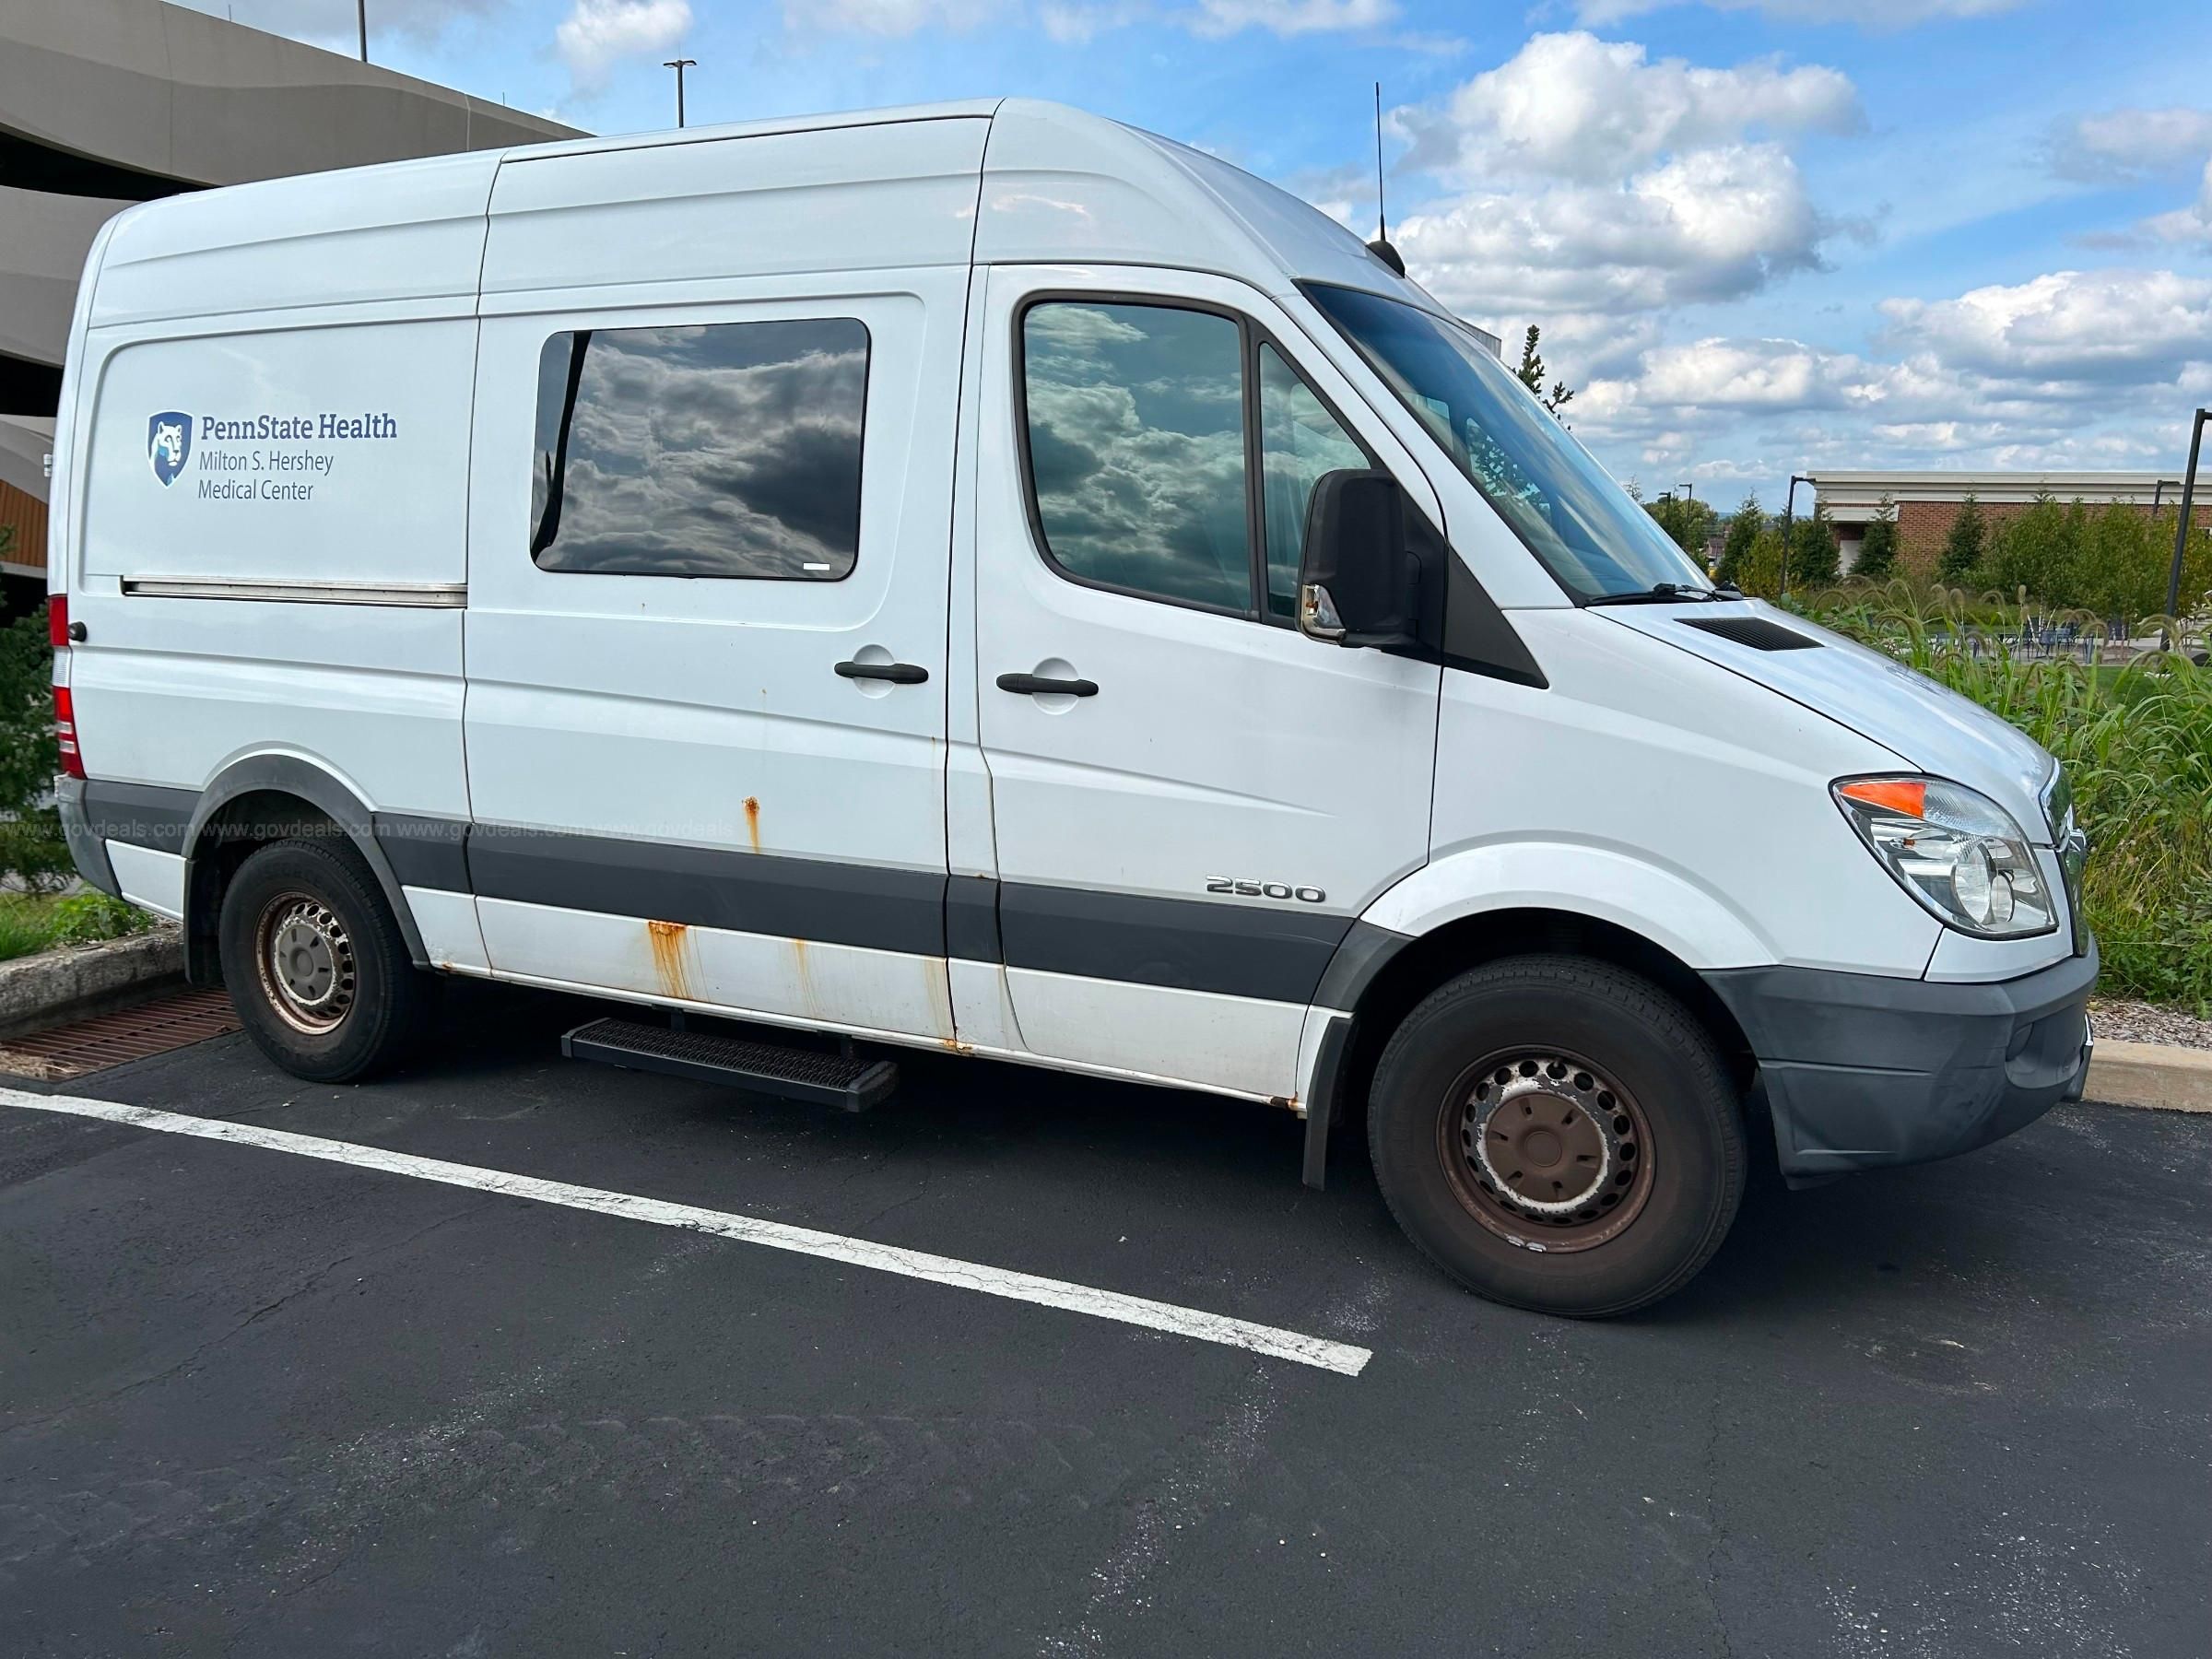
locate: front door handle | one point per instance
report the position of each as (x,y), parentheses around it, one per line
(1037,685)
(898,674)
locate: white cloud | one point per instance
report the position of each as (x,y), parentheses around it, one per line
(336,23)
(1868,13)
(2191,225)
(2069,327)
(2124,146)
(1573,106)
(1597,181)
(1290,17)
(892,19)
(1076,22)
(1714,224)
(2070,369)
(597,34)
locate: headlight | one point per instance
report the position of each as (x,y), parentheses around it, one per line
(1959,852)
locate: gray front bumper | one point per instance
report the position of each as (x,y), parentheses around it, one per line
(1860,1071)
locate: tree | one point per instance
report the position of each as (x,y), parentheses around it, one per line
(1877,549)
(1744,525)
(1687,521)
(1759,572)
(1963,547)
(1815,555)
(1531,373)
(31,847)
(2044,551)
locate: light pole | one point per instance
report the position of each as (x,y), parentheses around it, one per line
(361,10)
(2181,531)
(1789,516)
(679,66)
(2157,491)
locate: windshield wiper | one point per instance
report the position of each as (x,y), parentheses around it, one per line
(1667,592)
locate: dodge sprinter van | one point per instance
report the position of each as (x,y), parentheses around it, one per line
(984,578)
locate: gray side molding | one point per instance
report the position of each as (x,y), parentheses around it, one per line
(286,774)
(1364,952)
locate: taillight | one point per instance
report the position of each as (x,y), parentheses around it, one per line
(65,732)
(57,621)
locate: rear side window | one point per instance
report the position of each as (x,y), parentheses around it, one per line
(1137,448)
(722,449)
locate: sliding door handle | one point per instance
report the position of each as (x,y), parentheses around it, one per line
(898,674)
(1037,685)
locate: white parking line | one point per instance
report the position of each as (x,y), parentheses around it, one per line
(858,1252)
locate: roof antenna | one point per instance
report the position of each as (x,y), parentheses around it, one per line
(1380,247)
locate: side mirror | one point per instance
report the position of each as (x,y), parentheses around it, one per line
(1358,581)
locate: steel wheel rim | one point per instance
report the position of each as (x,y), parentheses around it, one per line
(1546,1149)
(309,974)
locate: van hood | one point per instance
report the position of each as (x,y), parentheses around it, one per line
(1928,726)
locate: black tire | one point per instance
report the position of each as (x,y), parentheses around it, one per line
(1645,1135)
(377,1002)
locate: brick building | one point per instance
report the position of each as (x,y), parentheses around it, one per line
(1928,502)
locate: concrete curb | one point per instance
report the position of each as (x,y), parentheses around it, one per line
(2158,1074)
(78,981)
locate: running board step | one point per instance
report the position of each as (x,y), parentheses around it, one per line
(845,1081)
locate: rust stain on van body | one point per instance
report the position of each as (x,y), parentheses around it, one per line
(752,820)
(936,979)
(802,966)
(670,943)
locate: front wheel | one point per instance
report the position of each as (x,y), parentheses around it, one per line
(1557,1134)
(316,964)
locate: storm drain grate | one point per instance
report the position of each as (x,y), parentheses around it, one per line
(90,1045)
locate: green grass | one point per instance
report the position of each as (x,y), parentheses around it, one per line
(2138,744)
(30,923)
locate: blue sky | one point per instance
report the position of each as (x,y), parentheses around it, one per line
(1761,236)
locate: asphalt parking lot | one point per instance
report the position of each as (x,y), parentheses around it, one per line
(256,1403)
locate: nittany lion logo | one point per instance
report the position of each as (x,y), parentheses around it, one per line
(168,442)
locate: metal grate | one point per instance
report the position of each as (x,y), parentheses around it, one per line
(90,1045)
(1757,632)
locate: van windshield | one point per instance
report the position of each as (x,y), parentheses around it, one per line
(1590,534)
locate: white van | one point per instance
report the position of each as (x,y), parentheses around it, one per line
(984,578)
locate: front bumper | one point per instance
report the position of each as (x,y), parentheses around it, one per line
(1861,1071)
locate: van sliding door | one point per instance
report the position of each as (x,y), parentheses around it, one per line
(708,550)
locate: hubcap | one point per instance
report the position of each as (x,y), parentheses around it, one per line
(1544,1150)
(307,962)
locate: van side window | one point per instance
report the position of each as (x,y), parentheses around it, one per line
(1137,448)
(1300,440)
(723,449)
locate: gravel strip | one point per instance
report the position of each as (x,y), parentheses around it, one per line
(2148,1022)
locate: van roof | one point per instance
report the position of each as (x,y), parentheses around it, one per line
(1057,185)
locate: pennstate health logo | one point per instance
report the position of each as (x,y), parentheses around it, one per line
(168,442)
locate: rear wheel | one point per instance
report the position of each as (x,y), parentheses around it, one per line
(316,964)
(1557,1134)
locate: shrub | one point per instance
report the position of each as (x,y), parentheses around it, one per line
(1760,572)
(1878,551)
(1688,523)
(1815,554)
(1744,526)
(33,849)
(85,918)
(1962,549)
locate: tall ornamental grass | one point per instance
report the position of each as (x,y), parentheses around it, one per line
(2136,741)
